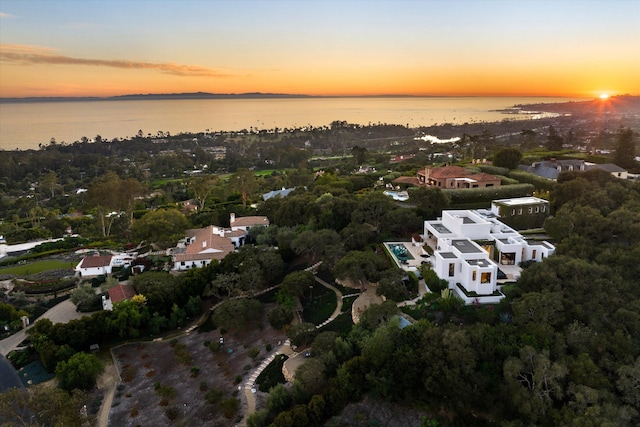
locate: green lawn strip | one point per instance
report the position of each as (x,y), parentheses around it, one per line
(37,267)
(341,325)
(272,374)
(321,306)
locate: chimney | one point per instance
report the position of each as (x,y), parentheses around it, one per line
(232,218)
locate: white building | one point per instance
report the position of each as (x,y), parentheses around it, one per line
(202,245)
(471,244)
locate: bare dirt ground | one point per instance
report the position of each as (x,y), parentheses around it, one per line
(151,370)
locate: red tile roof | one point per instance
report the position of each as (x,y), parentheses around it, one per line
(249,221)
(96,261)
(121,292)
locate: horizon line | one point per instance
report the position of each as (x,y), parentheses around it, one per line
(276,95)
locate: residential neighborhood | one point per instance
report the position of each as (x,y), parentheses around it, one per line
(221,295)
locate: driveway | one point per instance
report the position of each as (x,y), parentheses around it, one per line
(61,313)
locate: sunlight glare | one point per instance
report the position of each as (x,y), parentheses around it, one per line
(604,95)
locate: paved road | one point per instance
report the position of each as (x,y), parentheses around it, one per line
(61,313)
(8,376)
(250,385)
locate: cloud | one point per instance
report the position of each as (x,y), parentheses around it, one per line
(5,15)
(36,55)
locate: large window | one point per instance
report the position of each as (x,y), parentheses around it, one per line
(485,278)
(452,268)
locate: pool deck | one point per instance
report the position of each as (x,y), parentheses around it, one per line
(414,249)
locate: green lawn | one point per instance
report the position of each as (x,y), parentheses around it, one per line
(320,307)
(37,267)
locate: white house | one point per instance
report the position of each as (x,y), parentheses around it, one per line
(471,244)
(95,265)
(202,245)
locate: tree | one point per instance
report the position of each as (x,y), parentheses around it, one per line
(360,266)
(298,282)
(102,194)
(534,382)
(392,286)
(311,375)
(507,158)
(371,210)
(81,371)
(43,406)
(201,187)
(314,243)
(359,154)
(85,298)
(378,314)
(279,399)
(554,140)
(625,149)
(163,227)
(244,182)
(280,316)
(236,314)
(49,183)
(429,201)
(128,318)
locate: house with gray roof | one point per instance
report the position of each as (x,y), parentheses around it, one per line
(550,169)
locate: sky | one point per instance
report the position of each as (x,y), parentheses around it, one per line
(320,47)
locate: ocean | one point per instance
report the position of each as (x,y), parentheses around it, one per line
(28,125)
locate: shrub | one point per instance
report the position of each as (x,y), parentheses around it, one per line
(253,352)
(213,396)
(172,412)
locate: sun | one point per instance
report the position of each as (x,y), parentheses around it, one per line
(604,95)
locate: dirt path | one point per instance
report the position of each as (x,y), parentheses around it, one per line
(364,301)
(108,380)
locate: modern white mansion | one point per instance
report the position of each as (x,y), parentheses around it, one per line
(470,246)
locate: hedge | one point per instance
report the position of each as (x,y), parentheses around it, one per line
(538,182)
(493,170)
(477,195)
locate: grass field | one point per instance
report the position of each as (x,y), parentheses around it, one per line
(36,267)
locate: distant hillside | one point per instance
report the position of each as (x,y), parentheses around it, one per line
(158,96)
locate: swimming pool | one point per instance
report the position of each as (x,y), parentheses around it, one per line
(400,251)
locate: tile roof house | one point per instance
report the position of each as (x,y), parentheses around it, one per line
(116,294)
(202,245)
(246,222)
(102,265)
(455,177)
(95,265)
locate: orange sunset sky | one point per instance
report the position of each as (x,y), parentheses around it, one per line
(476,47)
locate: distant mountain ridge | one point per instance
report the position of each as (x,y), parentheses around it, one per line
(157,96)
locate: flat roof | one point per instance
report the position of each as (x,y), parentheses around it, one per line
(479,262)
(538,243)
(448,255)
(440,228)
(520,201)
(465,246)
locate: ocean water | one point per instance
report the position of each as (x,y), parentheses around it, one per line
(27,125)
